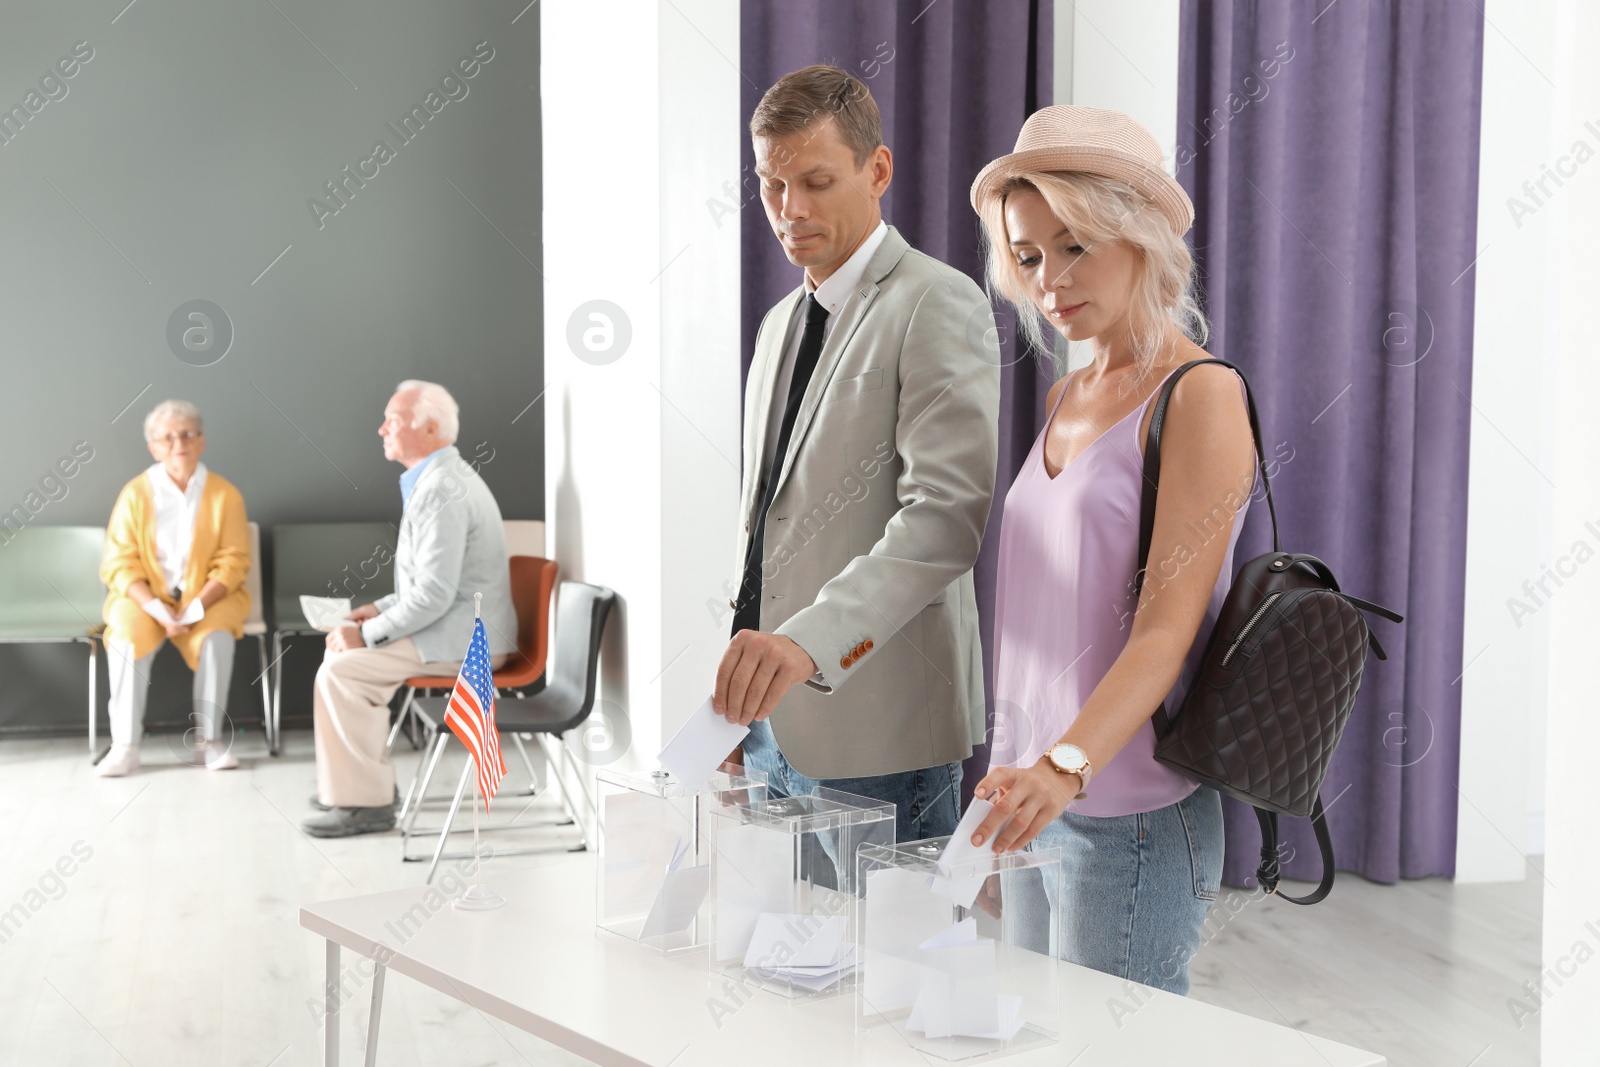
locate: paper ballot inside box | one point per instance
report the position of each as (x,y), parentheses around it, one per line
(959,991)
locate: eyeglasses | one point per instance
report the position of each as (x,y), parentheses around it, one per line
(173,438)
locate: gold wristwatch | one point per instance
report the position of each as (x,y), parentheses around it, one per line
(1067,758)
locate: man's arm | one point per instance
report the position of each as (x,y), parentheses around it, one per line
(947,435)
(438,547)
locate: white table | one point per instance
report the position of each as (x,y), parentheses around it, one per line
(539,964)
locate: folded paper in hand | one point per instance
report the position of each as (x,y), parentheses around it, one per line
(701,745)
(960,853)
(325,612)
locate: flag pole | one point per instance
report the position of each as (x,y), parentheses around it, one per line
(477,897)
(477,853)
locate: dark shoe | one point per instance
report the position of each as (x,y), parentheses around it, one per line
(348,822)
(317,803)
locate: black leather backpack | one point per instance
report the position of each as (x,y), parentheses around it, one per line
(1278,679)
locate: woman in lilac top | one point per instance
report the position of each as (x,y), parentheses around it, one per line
(1085,232)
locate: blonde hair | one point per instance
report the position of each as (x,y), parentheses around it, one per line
(1098,210)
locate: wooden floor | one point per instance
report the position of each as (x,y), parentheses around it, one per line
(1419,971)
(174,939)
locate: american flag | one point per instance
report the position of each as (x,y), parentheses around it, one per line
(471,714)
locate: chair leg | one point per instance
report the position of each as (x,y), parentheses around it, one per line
(533,775)
(441,738)
(405,709)
(275,745)
(266,691)
(94,699)
(449,821)
(568,791)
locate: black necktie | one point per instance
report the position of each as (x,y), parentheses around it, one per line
(747,613)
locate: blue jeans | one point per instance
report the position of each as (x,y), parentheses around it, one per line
(927,802)
(1135,891)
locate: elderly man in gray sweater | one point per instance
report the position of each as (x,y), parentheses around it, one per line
(452,545)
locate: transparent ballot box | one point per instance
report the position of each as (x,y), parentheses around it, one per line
(955,957)
(783,874)
(653,879)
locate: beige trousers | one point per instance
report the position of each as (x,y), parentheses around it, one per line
(351,706)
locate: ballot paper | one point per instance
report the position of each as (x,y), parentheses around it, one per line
(701,745)
(753,877)
(325,612)
(901,915)
(682,892)
(959,992)
(802,950)
(959,854)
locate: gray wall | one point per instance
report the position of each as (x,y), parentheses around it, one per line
(176,165)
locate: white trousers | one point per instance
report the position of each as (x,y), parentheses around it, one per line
(129,681)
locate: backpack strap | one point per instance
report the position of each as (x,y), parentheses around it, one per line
(1152,465)
(1152,480)
(1267,873)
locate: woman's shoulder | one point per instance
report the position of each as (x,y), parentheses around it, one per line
(1208,383)
(135,488)
(224,493)
(221,484)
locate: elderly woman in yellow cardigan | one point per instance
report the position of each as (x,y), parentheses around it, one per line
(177,552)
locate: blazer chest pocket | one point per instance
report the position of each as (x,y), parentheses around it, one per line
(864,382)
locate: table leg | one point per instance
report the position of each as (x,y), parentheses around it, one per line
(330,1019)
(377,1009)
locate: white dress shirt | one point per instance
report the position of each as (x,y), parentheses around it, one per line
(175,514)
(832,294)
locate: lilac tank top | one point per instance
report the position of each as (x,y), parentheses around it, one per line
(1064,608)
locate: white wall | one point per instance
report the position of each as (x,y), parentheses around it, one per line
(1120,54)
(1509,484)
(643,451)
(1570,1027)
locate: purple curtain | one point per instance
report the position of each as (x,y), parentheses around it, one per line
(1332,154)
(954,82)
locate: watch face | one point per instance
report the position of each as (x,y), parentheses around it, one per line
(1068,757)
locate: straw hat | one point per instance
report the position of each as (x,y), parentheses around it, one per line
(1091,140)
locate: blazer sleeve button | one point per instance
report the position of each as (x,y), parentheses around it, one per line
(867,644)
(844,662)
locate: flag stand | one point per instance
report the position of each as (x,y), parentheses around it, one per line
(478,897)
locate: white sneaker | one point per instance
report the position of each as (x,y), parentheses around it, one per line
(217,756)
(121,760)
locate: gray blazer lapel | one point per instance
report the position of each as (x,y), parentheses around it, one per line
(883,261)
(764,368)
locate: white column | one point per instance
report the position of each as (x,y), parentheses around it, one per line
(641,341)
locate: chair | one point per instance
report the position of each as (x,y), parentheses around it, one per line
(563,705)
(525,539)
(533,582)
(351,559)
(50,591)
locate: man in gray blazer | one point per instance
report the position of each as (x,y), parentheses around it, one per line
(870,443)
(452,545)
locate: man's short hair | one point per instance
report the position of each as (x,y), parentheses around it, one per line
(434,402)
(807,96)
